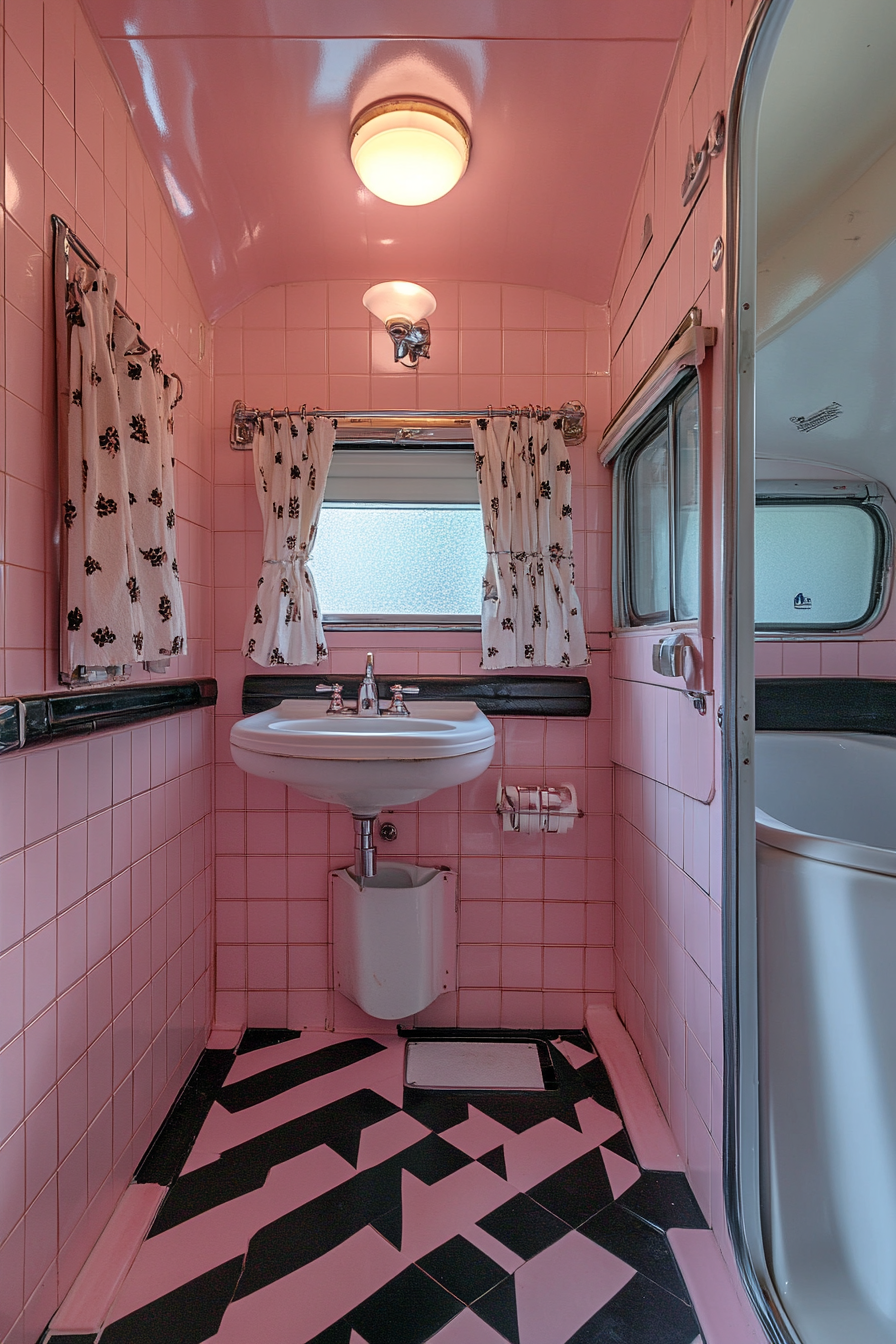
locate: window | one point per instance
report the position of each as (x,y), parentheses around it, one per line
(400,538)
(658,508)
(822,550)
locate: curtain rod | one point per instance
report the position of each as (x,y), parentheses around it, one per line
(245,419)
(72,243)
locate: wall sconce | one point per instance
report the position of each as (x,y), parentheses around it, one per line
(403,308)
(409,150)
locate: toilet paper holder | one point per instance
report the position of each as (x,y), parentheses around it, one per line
(528,809)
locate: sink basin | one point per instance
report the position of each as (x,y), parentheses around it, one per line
(365,764)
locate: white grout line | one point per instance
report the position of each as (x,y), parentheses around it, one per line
(90,1298)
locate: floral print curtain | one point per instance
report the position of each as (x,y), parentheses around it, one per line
(147,398)
(291,457)
(531,613)
(116,455)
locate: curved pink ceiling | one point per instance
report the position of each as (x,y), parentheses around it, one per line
(244,107)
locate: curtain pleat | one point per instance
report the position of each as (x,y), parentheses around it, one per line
(531,613)
(291,458)
(147,399)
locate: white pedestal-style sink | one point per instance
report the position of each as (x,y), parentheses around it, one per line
(366,763)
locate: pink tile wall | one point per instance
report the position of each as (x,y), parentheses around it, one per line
(668,845)
(536,927)
(105,844)
(105,936)
(70,149)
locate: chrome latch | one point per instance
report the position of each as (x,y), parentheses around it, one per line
(669,657)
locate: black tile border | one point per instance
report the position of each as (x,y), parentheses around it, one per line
(826,704)
(61,714)
(524,695)
(171,1145)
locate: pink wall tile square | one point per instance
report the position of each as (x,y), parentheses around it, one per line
(480,921)
(564,922)
(266,921)
(480,305)
(522,922)
(522,306)
(563,967)
(479,966)
(521,967)
(479,1008)
(307,921)
(520,1009)
(266,967)
(308,967)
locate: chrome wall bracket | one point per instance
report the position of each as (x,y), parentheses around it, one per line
(697,167)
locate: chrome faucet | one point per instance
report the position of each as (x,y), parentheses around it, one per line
(368,695)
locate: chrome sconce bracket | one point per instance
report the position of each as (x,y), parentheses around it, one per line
(697,167)
(411,340)
(242,425)
(574,422)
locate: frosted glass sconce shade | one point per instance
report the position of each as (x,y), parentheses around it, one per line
(409,150)
(399,299)
(403,308)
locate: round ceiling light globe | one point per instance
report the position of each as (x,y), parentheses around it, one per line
(408,151)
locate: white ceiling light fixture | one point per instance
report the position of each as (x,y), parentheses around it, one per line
(409,150)
(403,308)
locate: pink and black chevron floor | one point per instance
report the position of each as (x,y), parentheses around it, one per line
(323,1203)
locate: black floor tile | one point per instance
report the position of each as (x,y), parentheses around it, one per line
(640,1313)
(339,1333)
(409,1309)
(308,1232)
(169,1150)
(463,1269)
(67,1339)
(257,1038)
(437,1110)
(523,1226)
(495,1161)
(638,1244)
(621,1144)
(595,1076)
(576,1191)
(665,1199)
(245,1167)
(389,1225)
(498,1309)
(189,1315)
(293,1072)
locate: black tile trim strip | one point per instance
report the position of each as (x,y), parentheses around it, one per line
(161,1163)
(533,696)
(61,714)
(826,704)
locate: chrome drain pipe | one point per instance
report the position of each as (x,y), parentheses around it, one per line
(365,849)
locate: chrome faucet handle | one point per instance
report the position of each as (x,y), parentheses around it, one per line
(336,705)
(398,692)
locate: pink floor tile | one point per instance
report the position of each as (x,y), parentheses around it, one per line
(465,1329)
(576,1056)
(564,1286)
(477,1134)
(387,1137)
(302,1304)
(433,1214)
(381,1072)
(620,1172)
(537,1153)
(256,1061)
(172,1258)
(494,1249)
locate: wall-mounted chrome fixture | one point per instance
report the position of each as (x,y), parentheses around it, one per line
(403,308)
(409,151)
(697,167)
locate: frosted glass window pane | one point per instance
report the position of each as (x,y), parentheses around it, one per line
(649,523)
(399,561)
(687,509)
(815,565)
